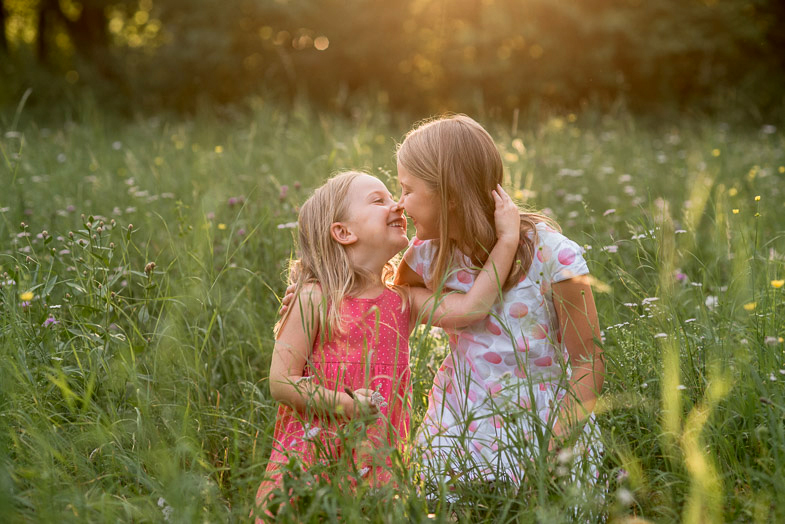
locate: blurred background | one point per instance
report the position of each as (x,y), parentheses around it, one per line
(423,56)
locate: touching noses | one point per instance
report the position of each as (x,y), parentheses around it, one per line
(398,206)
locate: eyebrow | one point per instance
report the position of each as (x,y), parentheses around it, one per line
(379,192)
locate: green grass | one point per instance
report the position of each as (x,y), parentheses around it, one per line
(147,397)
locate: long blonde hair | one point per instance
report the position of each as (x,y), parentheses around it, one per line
(457,158)
(324,261)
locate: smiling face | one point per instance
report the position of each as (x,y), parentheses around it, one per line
(374,219)
(421,204)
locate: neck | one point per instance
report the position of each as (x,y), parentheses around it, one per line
(372,264)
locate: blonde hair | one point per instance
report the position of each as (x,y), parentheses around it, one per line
(457,158)
(324,261)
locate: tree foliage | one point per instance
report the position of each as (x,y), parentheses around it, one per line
(426,55)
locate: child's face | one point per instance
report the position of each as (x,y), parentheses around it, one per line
(374,217)
(421,204)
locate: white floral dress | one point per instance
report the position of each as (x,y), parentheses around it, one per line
(497,392)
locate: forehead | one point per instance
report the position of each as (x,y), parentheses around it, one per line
(407,179)
(366,184)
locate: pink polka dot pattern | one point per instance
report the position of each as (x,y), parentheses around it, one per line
(492,327)
(566,256)
(510,360)
(543,361)
(519,310)
(372,352)
(544,254)
(493,358)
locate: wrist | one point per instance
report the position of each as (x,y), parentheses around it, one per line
(508,238)
(345,405)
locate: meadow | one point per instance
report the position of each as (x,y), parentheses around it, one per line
(142,264)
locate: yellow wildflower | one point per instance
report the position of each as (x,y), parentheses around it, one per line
(750,306)
(715,152)
(757,198)
(733,191)
(221,226)
(26,296)
(735,211)
(776,284)
(219,149)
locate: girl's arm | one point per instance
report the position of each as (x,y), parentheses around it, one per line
(290,354)
(406,276)
(580,328)
(458,309)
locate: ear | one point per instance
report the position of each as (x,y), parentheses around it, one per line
(342,234)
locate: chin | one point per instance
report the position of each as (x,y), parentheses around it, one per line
(423,235)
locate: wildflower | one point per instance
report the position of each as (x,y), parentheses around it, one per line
(297,185)
(288,225)
(622,475)
(241,232)
(608,212)
(210,215)
(565,455)
(776,284)
(611,249)
(681,387)
(50,321)
(219,149)
(649,300)
(283,193)
(661,335)
(149,267)
(715,152)
(625,497)
(166,509)
(772,377)
(770,341)
(733,191)
(681,277)
(757,198)
(735,211)
(750,306)
(221,226)
(26,296)
(117,145)
(711,302)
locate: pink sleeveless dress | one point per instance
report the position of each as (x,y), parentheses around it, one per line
(372,352)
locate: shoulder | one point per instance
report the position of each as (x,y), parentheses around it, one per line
(419,257)
(419,247)
(309,293)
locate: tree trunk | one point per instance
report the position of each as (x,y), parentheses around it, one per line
(3,37)
(48,11)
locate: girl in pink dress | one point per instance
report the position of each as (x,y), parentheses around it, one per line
(341,350)
(525,378)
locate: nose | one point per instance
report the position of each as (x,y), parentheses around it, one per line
(398,206)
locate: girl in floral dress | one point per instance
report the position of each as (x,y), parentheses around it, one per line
(525,378)
(342,346)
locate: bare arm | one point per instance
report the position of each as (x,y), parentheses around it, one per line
(290,355)
(406,276)
(458,309)
(580,328)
